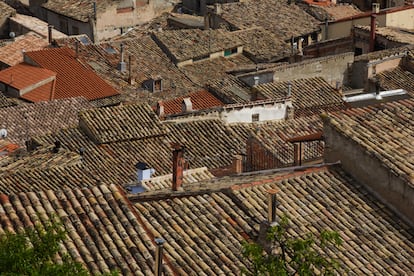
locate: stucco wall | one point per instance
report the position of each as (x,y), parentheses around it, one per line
(402,19)
(370,172)
(55,19)
(266,112)
(333,69)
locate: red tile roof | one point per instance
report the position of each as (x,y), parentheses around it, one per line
(23,75)
(200,100)
(73,78)
(40,94)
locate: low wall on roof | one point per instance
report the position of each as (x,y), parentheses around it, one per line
(370,172)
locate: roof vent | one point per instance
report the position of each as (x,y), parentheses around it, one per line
(3,133)
(144,171)
(158,256)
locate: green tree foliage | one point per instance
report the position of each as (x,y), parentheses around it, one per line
(33,252)
(292,256)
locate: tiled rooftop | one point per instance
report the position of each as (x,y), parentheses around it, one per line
(261,45)
(104,232)
(386,132)
(200,100)
(73,78)
(204,232)
(392,34)
(6,10)
(376,241)
(81,10)
(5,101)
(24,75)
(309,96)
(398,78)
(321,10)
(11,54)
(206,71)
(26,120)
(185,44)
(291,19)
(114,124)
(383,54)
(230,90)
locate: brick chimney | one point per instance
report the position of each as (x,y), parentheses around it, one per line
(237,164)
(160,109)
(297,154)
(178,166)
(186,105)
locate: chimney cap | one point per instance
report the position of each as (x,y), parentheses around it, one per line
(159,241)
(273,191)
(142,166)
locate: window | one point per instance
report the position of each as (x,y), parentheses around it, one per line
(157,85)
(358,51)
(255,117)
(229,52)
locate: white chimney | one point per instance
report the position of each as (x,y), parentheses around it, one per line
(256,80)
(122,64)
(187,105)
(217,8)
(144,171)
(375,7)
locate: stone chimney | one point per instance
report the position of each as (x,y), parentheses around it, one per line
(289,90)
(178,166)
(186,105)
(159,242)
(217,8)
(256,80)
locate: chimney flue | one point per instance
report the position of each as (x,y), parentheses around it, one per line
(49,33)
(272,205)
(122,64)
(158,255)
(372,33)
(178,167)
(237,164)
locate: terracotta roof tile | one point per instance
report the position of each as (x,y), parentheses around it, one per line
(6,10)
(398,78)
(103,229)
(309,96)
(263,13)
(200,100)
(187,44)
(77,9)
(24,75)
(5,101)
(26,120)
(230,90)
(385,132)
(11,54)
(114,124)
(73,79)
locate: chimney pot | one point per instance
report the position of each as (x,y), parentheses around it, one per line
(372,33)
(272,205)
(256,80)
(375,7)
